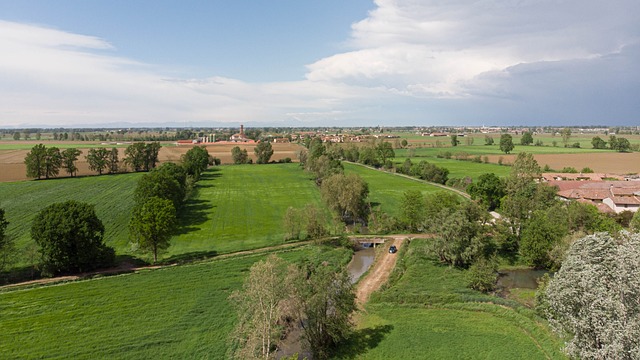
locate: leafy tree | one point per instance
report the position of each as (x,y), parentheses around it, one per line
(70,237)
(324,301)
(52,162)
(98,159)
(594,299)
(346,194)
(413,209)
(404,143)
(598,143)
(488,190)
(430,172)
(527,138)
(69,158)
(112,161)
(239,156)
(369,156)
(621,145)
(506,143)
(566,136)
(385,151)
(539,235)
(162,184)
(7,248)
(151,152)
(323,167)
(152,225)
(261,305)
(35,161)
(135,156)
(634,225)
(454,140)
(292,223)
(315,222)
(16,135)
(483,275)
(263,151)
(488,140)
(196,161)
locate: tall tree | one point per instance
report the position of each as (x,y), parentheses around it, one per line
(151,152)
(160,183)
(527,138)
(263,151)
(506,143)
(16,135)
(385,152)
(112,161)
(566,136)
(489,190)
(69,158)
(136,156)
(70,238)
(7,248)
(239,156)
(413,209)
(195,161)
(152,225)
(35,161)
(346,194)
(98,159)
(598,143)
(454,140)
(261,306)
(52,162)
(325,300)
(594,299)
(292,223)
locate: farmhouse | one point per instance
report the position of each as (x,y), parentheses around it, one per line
(608,196)
(240,137)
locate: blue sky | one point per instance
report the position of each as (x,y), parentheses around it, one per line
(315,63)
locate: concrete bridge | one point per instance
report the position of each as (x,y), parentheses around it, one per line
(374,241)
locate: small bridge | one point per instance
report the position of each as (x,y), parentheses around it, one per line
(372,241)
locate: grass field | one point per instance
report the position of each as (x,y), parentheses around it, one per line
(427,311)
(179,312)
(111,194)
(461,169)
(474,150)
(385,189)
(240,207)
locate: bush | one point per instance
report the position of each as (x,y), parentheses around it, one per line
(483,275)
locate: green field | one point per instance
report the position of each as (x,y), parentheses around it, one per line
(461,169)
(473,150)
(385,189)
(427,311)
(178,312)
(111,194)
(241,207)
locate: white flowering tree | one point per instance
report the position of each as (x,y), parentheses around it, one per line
(594,299)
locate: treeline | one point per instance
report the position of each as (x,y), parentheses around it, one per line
(158,197)
(46,162)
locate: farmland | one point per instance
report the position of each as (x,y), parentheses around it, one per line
(427,309)
(175,312)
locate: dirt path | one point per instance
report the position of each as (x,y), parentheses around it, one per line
(380,272)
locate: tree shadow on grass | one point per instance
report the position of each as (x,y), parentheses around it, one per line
(363,340)
(195,212)
(189,257)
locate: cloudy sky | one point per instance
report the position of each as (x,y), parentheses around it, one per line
(314,63)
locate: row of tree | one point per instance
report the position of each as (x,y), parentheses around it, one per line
(46,162)
(263,152)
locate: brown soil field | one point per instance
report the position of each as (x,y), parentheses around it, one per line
(612,163)
(12,166)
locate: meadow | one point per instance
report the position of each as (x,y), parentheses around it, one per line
(386,190)
(460,168)
(179,312)
(426,308)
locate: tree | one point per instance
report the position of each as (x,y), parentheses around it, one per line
(160,183)
(430,172)
(195,161)
(98,159)
(323,167)
(292,223)
(263,151)
(527,138)
(488,190)
(239,156)
(621,145)
(112,161)
(566,136)
(52,162)
(16,135)
(488,140)
(454,140)
(324,301)
(315,222)
(412,207)
(261,305)
(346,194)
(598,143)
(385,152)
(35,161)
(506,143)
(151,151)
(69,158)
(70,237)
(135,156)
(7,248)
(152,225)
(594,299)
(539,235)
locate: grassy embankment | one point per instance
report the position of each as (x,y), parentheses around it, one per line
(177,312)
(426,311)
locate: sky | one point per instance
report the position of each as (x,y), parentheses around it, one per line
(119,63)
